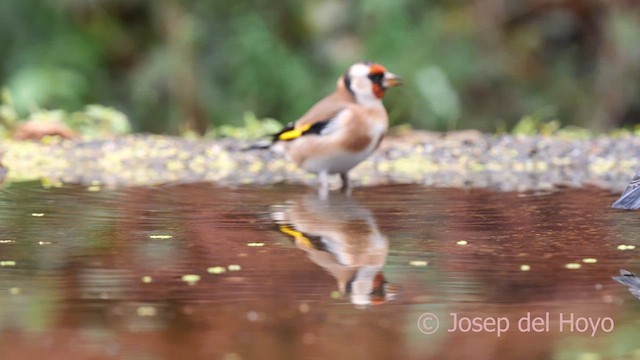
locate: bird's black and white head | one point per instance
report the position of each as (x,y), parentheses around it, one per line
(368,82)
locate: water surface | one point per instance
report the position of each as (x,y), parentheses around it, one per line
(200,271)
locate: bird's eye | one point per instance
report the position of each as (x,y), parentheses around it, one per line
(376,77)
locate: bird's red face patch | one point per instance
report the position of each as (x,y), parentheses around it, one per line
(378,90)
(376,73)
(377,69)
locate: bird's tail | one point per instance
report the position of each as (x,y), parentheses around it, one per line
(274,139)
(257,147)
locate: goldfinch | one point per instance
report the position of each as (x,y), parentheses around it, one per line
(344,128)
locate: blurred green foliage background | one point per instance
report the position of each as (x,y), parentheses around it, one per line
(176,66)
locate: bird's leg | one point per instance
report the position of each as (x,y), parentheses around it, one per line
(323,189)
(346,187)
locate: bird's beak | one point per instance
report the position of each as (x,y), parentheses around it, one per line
(391,80)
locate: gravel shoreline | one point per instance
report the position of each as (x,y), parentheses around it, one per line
(458,159)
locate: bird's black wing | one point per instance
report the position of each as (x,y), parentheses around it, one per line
(289,133)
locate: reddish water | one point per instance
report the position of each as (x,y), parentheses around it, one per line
(112,274)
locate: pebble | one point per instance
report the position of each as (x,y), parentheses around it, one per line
(462,159)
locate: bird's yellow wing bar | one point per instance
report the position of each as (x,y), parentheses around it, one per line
(294,133)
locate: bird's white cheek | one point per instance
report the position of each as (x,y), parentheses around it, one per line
(361,86)
(364,93)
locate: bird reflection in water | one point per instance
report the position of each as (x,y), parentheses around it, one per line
(342,236)
(631,280)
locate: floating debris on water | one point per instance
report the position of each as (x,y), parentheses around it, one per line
(7,241)
(7,263)
(48,184)
(626,247)
(418,263)
(231,356)
(336,295)
(161,237)
(573,266)
(216,270)
(589,260)
(462,242)
(37,214)
(191,279)
(147,279)
(146,311)
(15,291)
(94,188)
(303,308)
(253,316)
(255,244)
(525,267)
(234,267)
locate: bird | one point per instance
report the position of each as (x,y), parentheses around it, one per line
(342,129)
(630,198)
(631,280)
